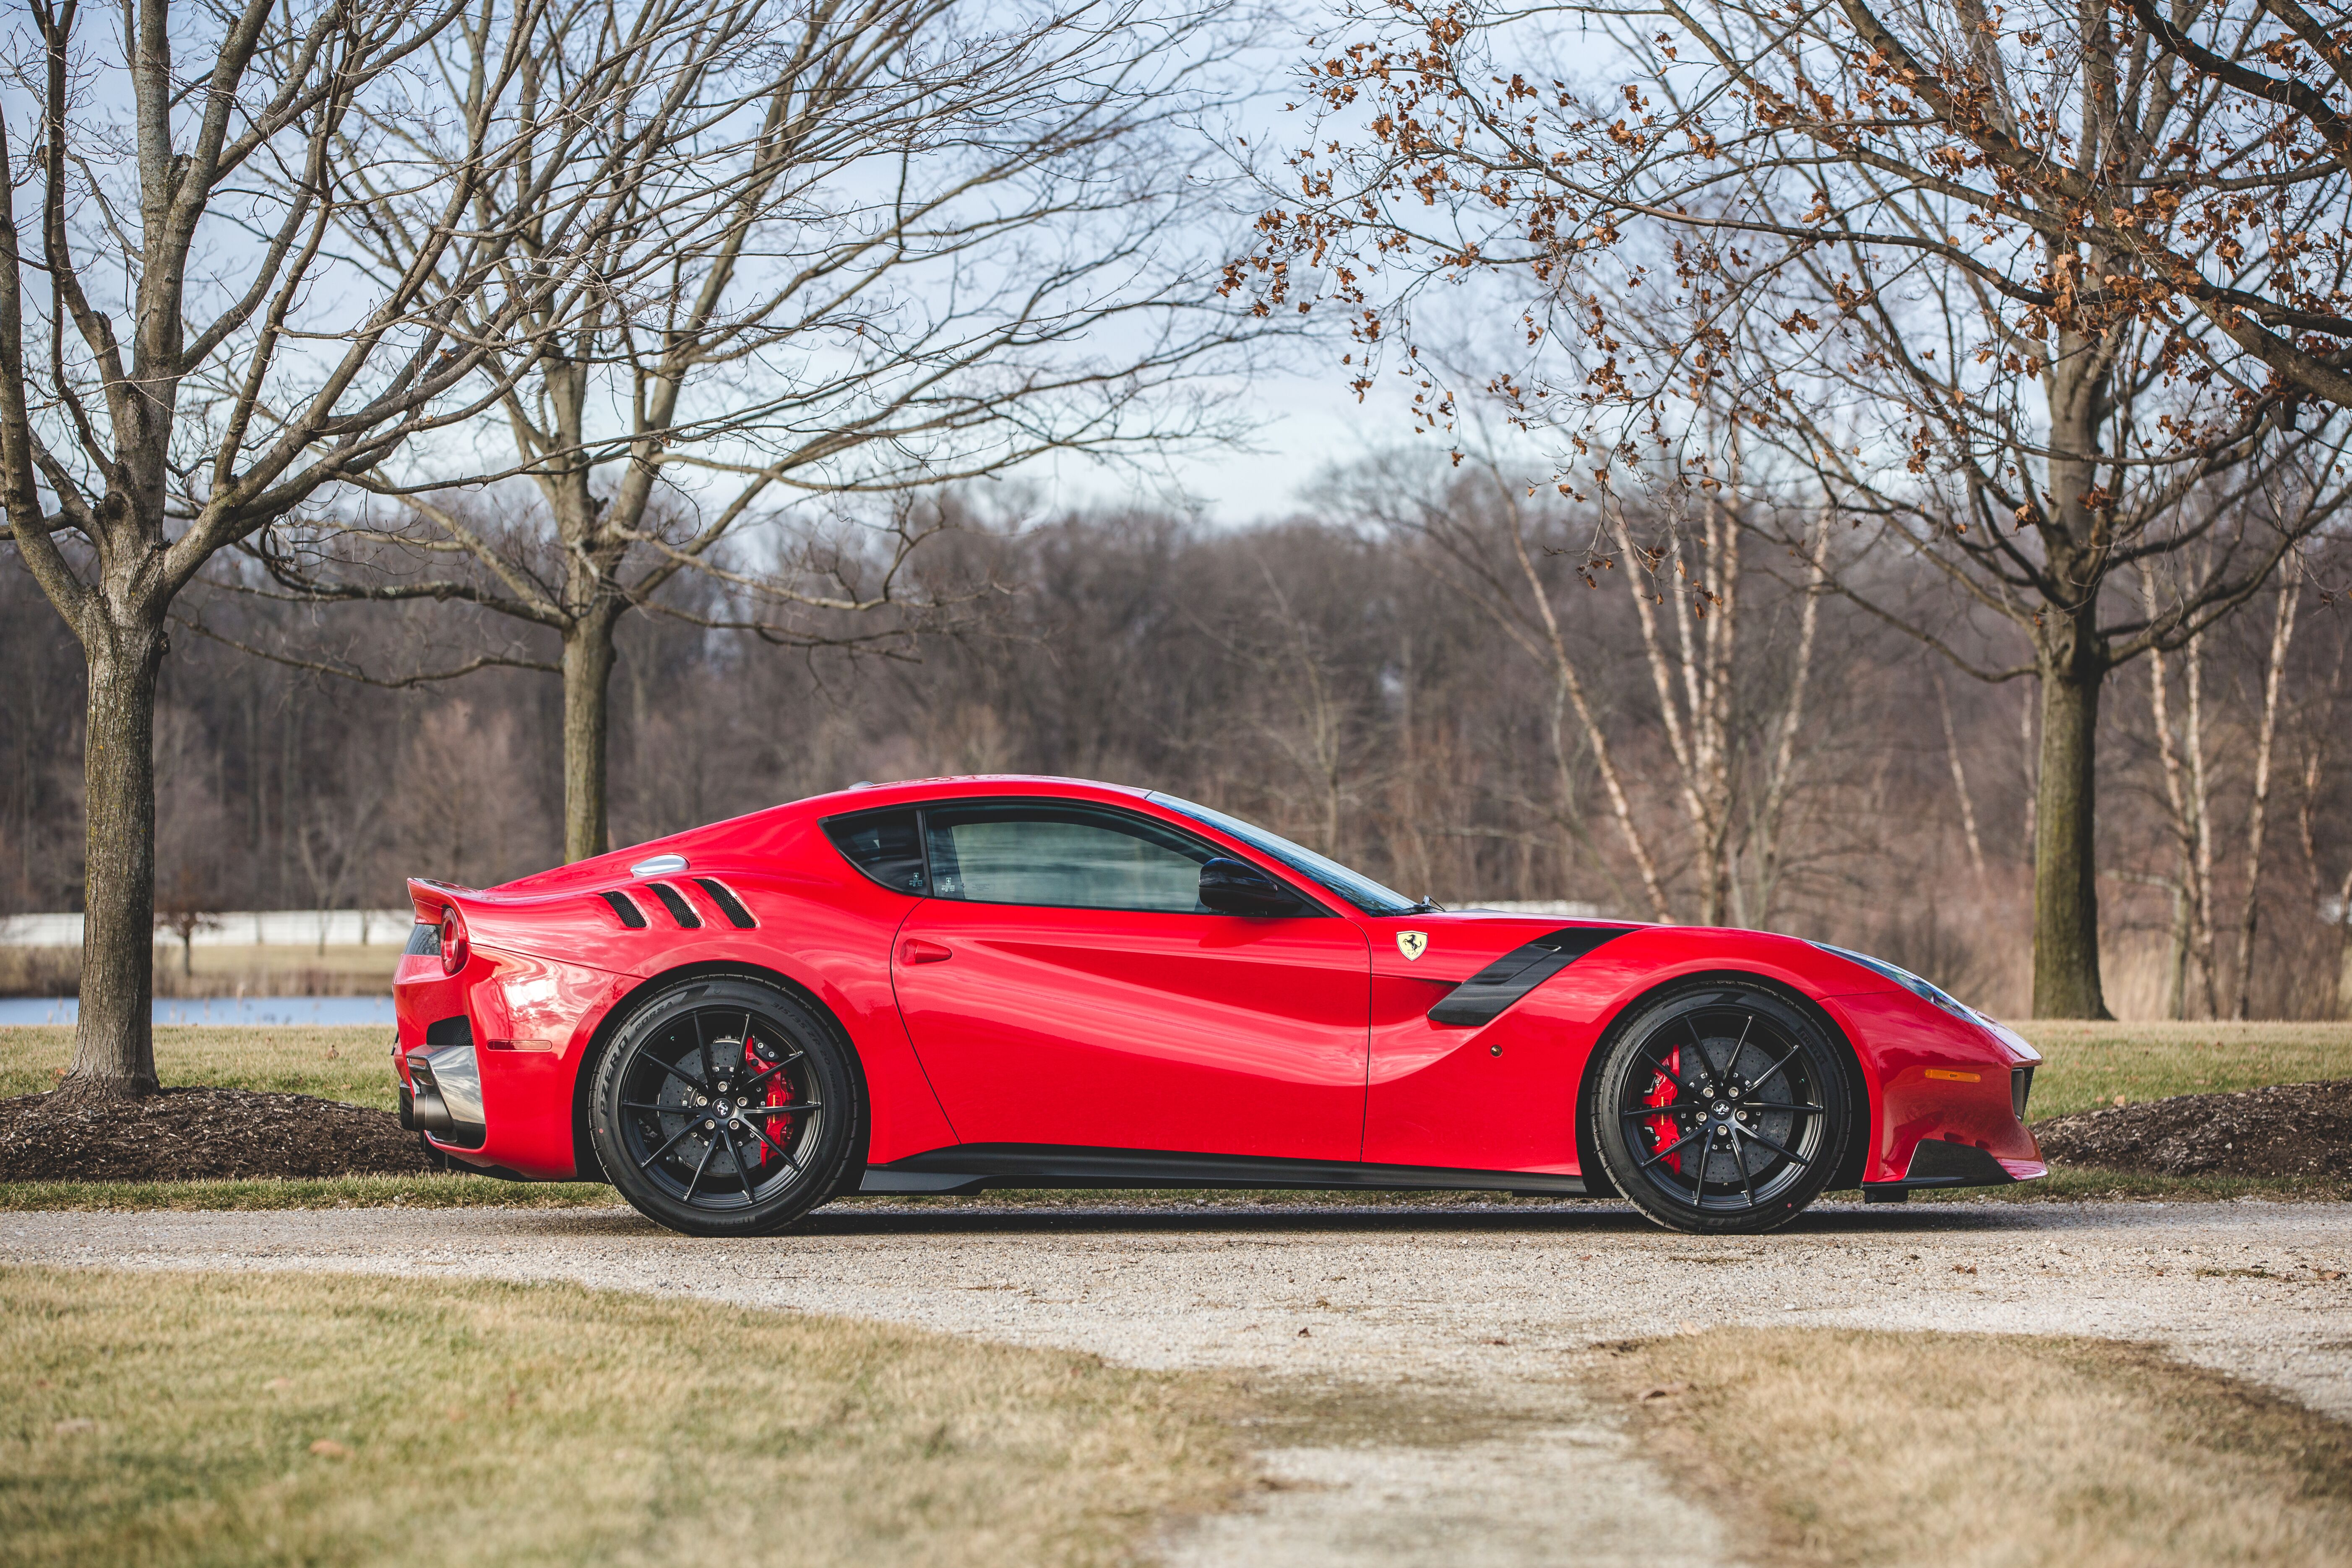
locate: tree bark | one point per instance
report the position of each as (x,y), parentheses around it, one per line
(114,1043)
(2065,869)
(587,681)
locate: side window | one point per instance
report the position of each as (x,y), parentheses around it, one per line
(885,844)
(1066,856)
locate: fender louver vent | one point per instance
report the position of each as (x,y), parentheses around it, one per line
(728,904)
(631,916)
(1484,998)
(679,909)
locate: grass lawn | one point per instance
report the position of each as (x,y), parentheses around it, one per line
(166,1419)
(434,1191)
(2091,1064)
(1842,1446)
(351,1063)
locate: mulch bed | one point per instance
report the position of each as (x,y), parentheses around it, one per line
(2286,1130)
(191,1135)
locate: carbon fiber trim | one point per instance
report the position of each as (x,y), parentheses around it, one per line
(1483,998)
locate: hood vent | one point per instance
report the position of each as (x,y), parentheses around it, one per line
(624,906)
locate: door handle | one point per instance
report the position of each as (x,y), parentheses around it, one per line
(918,950)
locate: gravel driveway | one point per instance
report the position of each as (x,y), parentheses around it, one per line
(1457,1329)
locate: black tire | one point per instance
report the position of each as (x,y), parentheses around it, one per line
(695,1074)
(1721,1109)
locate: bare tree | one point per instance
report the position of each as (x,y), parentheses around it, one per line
(852,251)
(2258,807)
(243,368)
(1733,749)
(1996,281)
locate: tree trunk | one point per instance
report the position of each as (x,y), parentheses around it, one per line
(2258,809)
(2344,948)
(587,678)
(2065,869)
(114,1043)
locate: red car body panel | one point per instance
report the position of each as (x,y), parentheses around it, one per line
(1204,1033)
(1301,1039)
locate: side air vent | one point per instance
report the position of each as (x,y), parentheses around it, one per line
(625,907)
(728,904)
(679,909)
(1484,998)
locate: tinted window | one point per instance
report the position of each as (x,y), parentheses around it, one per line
(885,844)
(1353,886)
(1067,856)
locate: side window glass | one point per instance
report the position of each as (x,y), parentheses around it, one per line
(885,844)
(1068,858)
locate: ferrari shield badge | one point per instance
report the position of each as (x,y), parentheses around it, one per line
(1412,943)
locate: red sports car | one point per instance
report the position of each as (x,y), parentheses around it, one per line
(954,983)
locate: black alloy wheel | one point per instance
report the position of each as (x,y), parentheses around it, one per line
(724,1107)
(1722,1108)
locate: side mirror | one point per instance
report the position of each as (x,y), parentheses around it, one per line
(1236,888)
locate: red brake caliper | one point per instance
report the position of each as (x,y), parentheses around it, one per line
(1662,1128)
(757,1059)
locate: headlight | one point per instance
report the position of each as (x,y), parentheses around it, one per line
(1925,990)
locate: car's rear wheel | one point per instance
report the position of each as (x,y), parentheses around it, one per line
(724,1107)
(1722,1108)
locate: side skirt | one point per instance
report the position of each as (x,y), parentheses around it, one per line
(970,1167)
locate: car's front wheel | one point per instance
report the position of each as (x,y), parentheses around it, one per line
(724,1107)
(1721,1107)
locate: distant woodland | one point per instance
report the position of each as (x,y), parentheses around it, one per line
(1374,678)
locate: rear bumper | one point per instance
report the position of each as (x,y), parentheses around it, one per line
(488,1059)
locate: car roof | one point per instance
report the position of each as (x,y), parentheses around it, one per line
(868,796)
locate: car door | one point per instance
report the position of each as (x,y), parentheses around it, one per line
(1062,985)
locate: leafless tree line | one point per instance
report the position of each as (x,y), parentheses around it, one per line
(1386,678)
(296,282)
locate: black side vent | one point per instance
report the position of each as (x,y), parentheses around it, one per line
(728,904)
(457,1031)
(1482,998)
(679,909)
(423,941)
(624,906)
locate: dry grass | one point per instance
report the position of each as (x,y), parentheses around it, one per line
(449,1192)
(1988,1451)
(207,1418)
(2090,1064)
(351,1063)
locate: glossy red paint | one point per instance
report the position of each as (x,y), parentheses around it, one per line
(1204,1033)
(1304,1038)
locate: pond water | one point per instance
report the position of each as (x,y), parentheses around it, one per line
(216,1010)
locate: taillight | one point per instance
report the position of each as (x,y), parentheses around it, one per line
(453,941)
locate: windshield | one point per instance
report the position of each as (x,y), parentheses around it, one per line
(1353,886)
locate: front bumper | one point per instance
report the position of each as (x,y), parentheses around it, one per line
(1949,1163)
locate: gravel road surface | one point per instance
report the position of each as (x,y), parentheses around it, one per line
(1443,1342)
